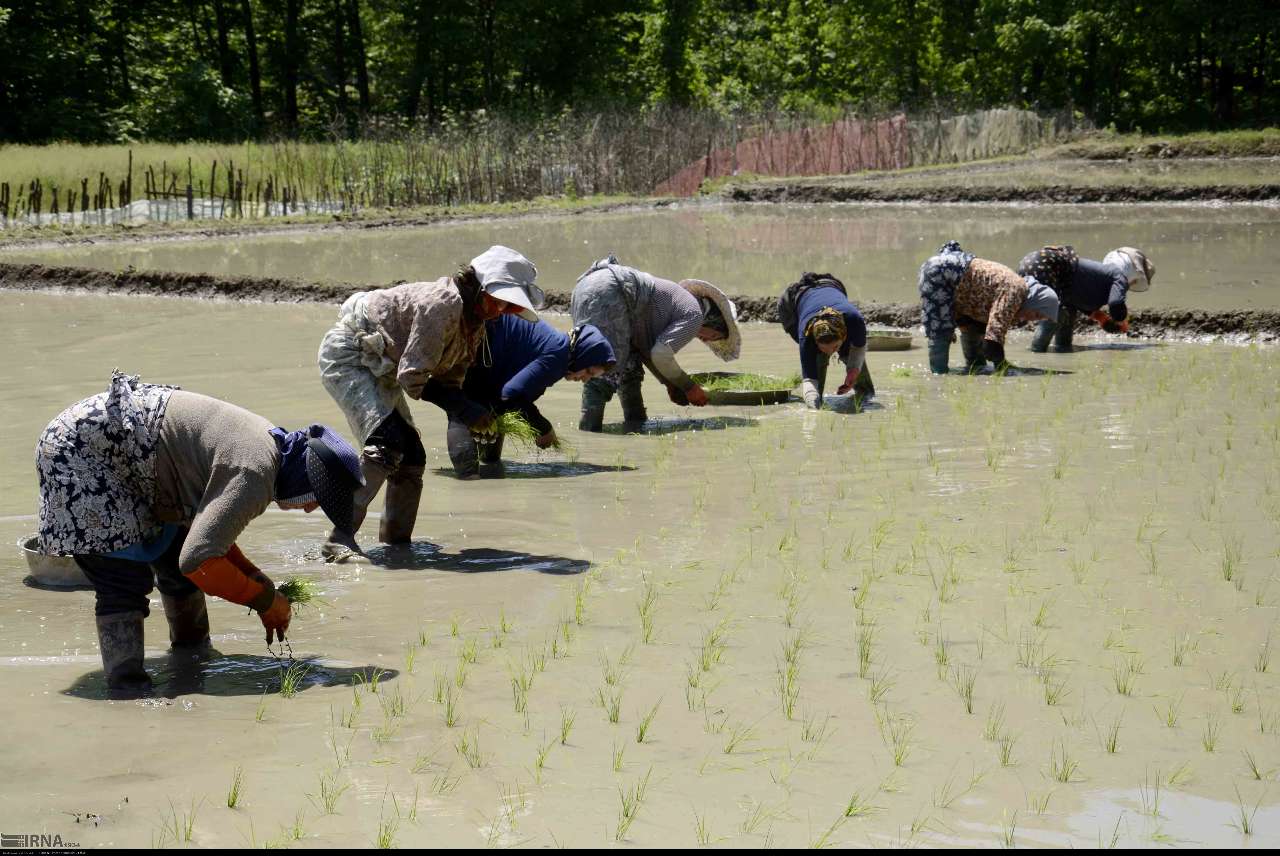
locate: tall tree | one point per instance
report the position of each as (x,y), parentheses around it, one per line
(255,74)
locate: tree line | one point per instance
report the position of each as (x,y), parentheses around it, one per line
(115,70)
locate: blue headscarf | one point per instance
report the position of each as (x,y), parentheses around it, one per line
(292,484)
(588,347)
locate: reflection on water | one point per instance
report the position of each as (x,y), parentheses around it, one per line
(659,426)
(546,469)
(1218,258)
(239,675)
(425,556)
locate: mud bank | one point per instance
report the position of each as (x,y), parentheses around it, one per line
(819,191)
(1252,324)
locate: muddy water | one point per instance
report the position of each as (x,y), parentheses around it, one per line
(1214,258)
(1056,538)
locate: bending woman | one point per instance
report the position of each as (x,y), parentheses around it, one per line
(817,314)
(415,340)
(518,363)
(983,298)
(146,482)
(648,319)
(1083,285)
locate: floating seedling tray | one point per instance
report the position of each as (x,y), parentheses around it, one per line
(888,340)
(745,397)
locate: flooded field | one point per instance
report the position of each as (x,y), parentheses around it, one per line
(1035,610)
(1215,258)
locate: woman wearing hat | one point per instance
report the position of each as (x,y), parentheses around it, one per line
(414,340)
(518,362)
(983,298)
(1084,285)
(815,311)
(148,483)
(648,319)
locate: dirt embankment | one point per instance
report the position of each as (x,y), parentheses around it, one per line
(818,191)
(1255,324)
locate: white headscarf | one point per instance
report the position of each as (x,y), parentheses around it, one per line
(1136,266)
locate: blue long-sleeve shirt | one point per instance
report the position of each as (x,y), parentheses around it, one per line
(1094,285)
(810,304)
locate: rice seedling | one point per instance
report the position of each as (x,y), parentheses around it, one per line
(580,603)
(1209,737)
(1123,677)
(1062,766)
(1054,691)
(1232,556)
(468,747)
(896,732)
(261,712)
(814,731)
(1006,743)
(1038,802)
(823,841)
(866,648)
(567,718)
(645,607)
(1149,793)
(610,700)
(941,653)
(788,687)
(963,679)
(1235,697)
(1223,681)
(1182,645)
(632,799)
(180,827)
(460,673)
(619,752)
(1263,660)
(1244,820)
(1180,775)
(293,677)
(237,783)
(445,783)
(330,791)
(881,683)
(739,734)
(1008,828)
(1257,772)
(702,831)
(410,656)
(646,722)
(1042,614)
(300,592)
(388,827)
(451,711)
(994,726)
(1111,739)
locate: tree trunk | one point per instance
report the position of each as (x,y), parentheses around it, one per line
(293,11)
(255,75)
(361,56)
(340,65)
(224,46)
(120,11)
(420,73)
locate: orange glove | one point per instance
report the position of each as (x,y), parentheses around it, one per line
(276,618)
(850,378)
(696,395)
(1105,322)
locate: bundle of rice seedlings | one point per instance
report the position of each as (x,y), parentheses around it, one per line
(514,425)
(299,591)
(747,382)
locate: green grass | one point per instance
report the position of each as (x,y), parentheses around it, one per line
(745,382)
(299,591)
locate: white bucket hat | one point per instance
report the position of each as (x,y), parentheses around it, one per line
(507,275)
(730,347)
(1135,264)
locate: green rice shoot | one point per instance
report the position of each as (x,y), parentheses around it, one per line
(746,382)
(299,591)
(513,424)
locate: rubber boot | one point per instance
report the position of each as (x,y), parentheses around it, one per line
(120,638)
(404,490)
(592,419)
(489,457)
(342,546)
(188,619)
(971,344)
(1043,335)
(634,414)
(939,354)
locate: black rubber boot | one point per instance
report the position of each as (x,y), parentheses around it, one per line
(404,491)
(634,414)
(592,419)
(120,639)
(188,619)
(971,344)
(342,546)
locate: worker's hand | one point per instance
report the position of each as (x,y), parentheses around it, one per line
(812,398)
(485,424)
(696,395)
(547,440)
(676,396)
(850,378)
(276,618)
(1112,326)
(994,351)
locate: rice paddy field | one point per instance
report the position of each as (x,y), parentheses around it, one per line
(1031,610)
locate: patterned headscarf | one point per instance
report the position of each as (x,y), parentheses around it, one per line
(827,326)
(317,465)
